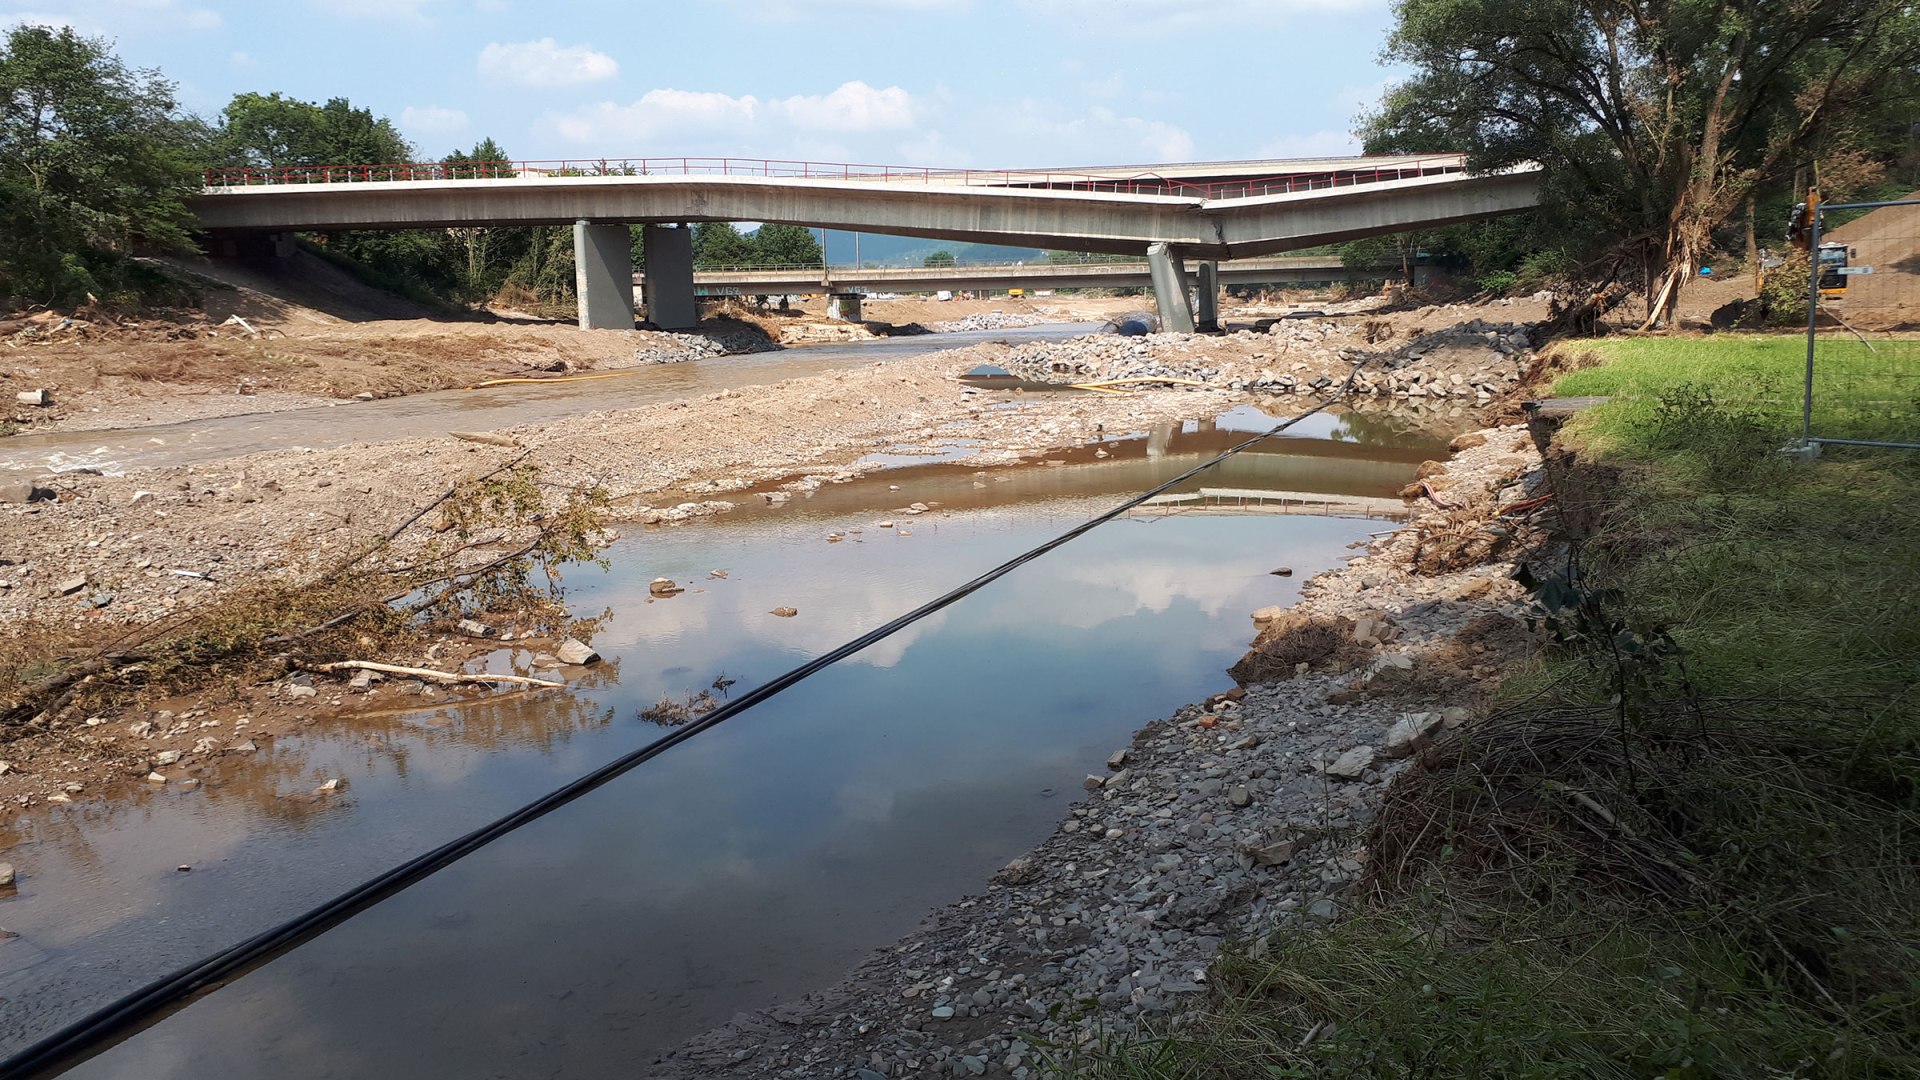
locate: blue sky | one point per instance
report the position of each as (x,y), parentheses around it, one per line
(959,83)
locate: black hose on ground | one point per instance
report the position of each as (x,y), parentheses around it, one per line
(109,1026)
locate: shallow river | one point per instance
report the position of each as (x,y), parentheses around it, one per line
(759,861)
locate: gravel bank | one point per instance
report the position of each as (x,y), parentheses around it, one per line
(1220,822)
(1472,361)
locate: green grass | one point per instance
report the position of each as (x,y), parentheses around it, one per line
(1861,390)
(1686,862)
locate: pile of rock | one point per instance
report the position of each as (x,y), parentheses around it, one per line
(988,320)
(661,347)
(1473,360)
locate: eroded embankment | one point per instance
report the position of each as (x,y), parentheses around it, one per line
(1216,823)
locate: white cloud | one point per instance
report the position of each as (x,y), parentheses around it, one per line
(711,116)
(657,113)
(1151,17)
(1045,136)
(932,148)
(433,120)
(786,11)
(1105,89)
(37,18)
(242,60)
(1311,144)
(852,106)
(119,18)
(546,63)
(389,10)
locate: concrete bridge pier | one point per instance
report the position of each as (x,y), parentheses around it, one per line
(1170,289)
(844,306)
(1206,318)
(668,252)
(603,275)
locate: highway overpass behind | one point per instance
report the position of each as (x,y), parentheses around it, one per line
(1273,270)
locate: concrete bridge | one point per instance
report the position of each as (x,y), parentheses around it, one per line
(1167,213)
(770,281)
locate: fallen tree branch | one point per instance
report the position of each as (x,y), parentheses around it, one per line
(1443,504)
(426,673)
(423,512)
(487,438)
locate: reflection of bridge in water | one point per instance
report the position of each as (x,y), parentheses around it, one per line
(1260,501)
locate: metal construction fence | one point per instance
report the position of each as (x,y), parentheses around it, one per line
(1863,326)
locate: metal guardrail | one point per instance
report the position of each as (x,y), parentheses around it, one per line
(1146,182)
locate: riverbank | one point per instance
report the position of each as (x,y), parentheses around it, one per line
(1684,841)
(1211,825)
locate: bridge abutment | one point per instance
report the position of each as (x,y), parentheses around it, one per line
(1170,288)
(668,253)
(603,275)
(844,306)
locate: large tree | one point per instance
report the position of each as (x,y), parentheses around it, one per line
(717,244)
(786,245)
(270,130)
(94,159)
(1656,119)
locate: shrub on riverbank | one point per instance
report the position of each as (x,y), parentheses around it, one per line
(1690,847)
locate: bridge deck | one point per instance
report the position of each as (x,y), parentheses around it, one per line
(1212,216)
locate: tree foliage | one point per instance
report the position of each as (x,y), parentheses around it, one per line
(717,244)
(938,258)
(94,160)
(271,130)
(1657,120)
(786,245)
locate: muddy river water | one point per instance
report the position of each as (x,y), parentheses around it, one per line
(759,861)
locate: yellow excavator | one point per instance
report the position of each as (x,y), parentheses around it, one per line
(1830,262)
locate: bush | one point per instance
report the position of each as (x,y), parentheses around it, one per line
(1499,282)
(1783,293)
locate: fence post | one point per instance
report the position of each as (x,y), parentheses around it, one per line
(1813,314)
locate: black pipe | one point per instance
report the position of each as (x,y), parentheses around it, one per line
(106,1028)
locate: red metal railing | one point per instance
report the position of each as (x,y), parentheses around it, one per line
(1143,183)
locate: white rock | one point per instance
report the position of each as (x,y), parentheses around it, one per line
(574,652)
(1352,764)
(1409,732)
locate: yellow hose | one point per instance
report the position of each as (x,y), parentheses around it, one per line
(565,378)
(1099,389)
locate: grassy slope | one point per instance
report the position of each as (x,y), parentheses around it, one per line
(1719,878)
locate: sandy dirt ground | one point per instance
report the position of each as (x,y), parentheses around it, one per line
(312,334)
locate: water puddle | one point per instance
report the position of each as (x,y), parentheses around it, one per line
(759,861)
